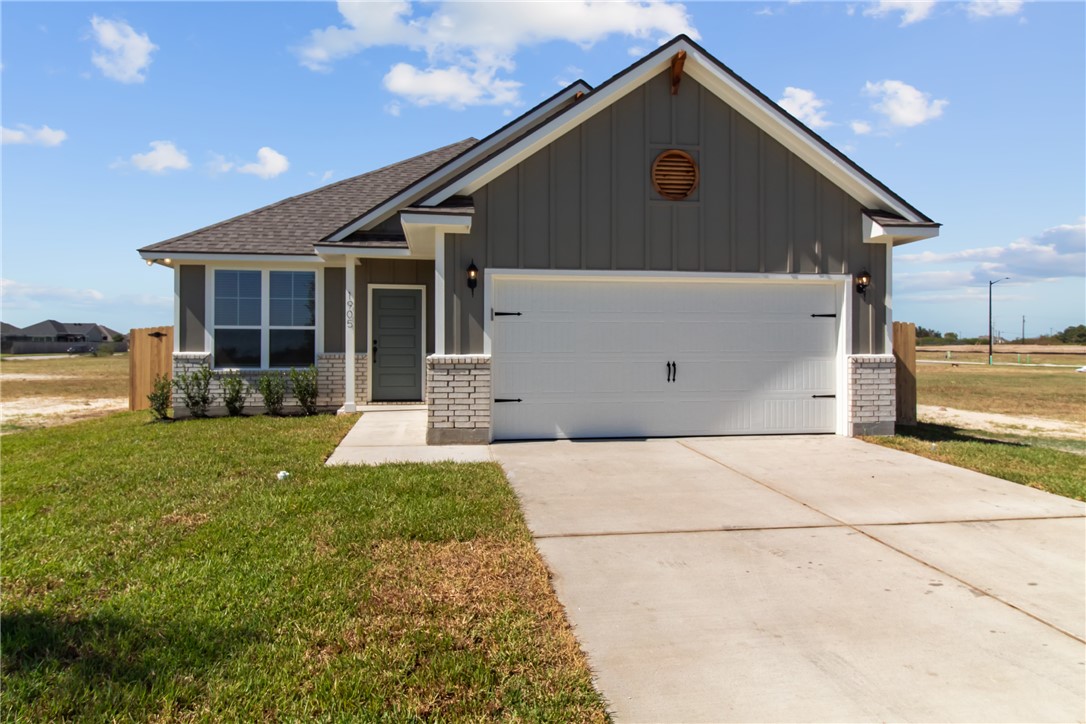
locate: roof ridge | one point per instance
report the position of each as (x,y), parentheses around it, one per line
(304,194)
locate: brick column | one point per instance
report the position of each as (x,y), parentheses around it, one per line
(458,399)
(332,383)
(872,406)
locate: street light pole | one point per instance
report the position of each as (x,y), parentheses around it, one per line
(990,285)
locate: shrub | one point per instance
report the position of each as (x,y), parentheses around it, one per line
(304,383)
(195,389)
(106,349)
(234,390)
(160,397)
(273,388)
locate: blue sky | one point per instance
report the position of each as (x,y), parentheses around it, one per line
(129,123)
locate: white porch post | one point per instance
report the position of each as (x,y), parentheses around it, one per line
(348,340)
(439,292)
(889,336)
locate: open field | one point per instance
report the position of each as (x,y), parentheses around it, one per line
(160,571)
(1003,358)
(36,392)
(1056,393)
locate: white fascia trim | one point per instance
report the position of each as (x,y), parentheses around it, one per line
(480,150)
(728,89)
(356,253)
(160,257)
(449,223)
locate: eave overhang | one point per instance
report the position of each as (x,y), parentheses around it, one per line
(879,230)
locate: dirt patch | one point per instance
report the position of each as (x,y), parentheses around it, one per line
(995,422)
(50,411)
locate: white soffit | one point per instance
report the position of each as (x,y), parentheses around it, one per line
(876,233)
(730,90)
(479,150)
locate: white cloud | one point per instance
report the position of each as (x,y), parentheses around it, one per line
(993,8)
(19,295)
(269,164)
(163,156)
(218,164)
(767,11)
(456,87)
(470,47)
(124,54)
(860,128)
(902,104)
(912,11)
(43,136)
(1052,254)
(568,76)
(806,106)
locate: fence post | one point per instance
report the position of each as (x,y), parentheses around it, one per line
(150,354)
(905,356)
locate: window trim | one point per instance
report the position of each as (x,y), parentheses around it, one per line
(265,312)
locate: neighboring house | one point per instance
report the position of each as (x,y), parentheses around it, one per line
(670,253)
(10,331)
(51,330)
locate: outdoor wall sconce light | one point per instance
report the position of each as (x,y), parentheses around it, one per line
(473,277)
(863,281)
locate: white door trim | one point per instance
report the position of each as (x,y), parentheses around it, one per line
(369,336)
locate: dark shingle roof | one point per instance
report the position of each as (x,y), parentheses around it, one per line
(6,328)
(294,225)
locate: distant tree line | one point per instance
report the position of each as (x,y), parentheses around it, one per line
(1075,334)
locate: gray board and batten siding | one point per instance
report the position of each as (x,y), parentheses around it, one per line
(586,201)
(371,271)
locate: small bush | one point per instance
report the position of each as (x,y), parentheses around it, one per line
(195,389)
(234,389)
(160,397)
(304,383)
(106,349)
(273,388)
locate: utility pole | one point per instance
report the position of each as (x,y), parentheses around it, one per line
(1023,328)
(990,285)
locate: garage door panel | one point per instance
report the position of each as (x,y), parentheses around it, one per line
(589,358)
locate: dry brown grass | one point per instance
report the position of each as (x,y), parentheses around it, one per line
(489,598)
(75,378)
(1054,393)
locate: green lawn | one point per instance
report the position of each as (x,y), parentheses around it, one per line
(1057,466)
(161,571)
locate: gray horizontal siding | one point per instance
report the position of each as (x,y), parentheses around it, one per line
(586,202)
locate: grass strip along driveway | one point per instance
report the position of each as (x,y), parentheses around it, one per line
(161,571)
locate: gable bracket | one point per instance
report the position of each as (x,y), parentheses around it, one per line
(677,61)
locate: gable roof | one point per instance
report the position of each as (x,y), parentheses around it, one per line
(726,84)
(293,225)
(6,328)
(343,213)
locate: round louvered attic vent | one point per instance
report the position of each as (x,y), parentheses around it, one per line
(675,174)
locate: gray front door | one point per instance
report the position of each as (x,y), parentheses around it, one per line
(397,345)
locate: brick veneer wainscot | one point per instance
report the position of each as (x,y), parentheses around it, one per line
(458,399)
(872,401)
(331,384)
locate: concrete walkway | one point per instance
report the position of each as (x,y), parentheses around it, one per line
(812,578)
(397,434)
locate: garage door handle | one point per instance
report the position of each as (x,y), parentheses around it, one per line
(669,372)
(819,396)
(674,371)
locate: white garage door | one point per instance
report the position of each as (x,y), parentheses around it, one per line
(619,358)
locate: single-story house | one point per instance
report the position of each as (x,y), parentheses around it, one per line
(669,253)
(50,330)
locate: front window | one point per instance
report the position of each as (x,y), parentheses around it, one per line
(247,336)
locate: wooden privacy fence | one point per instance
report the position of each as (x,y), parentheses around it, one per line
(905,354)
(150,354)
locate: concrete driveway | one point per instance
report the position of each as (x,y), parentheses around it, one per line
(809,578)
